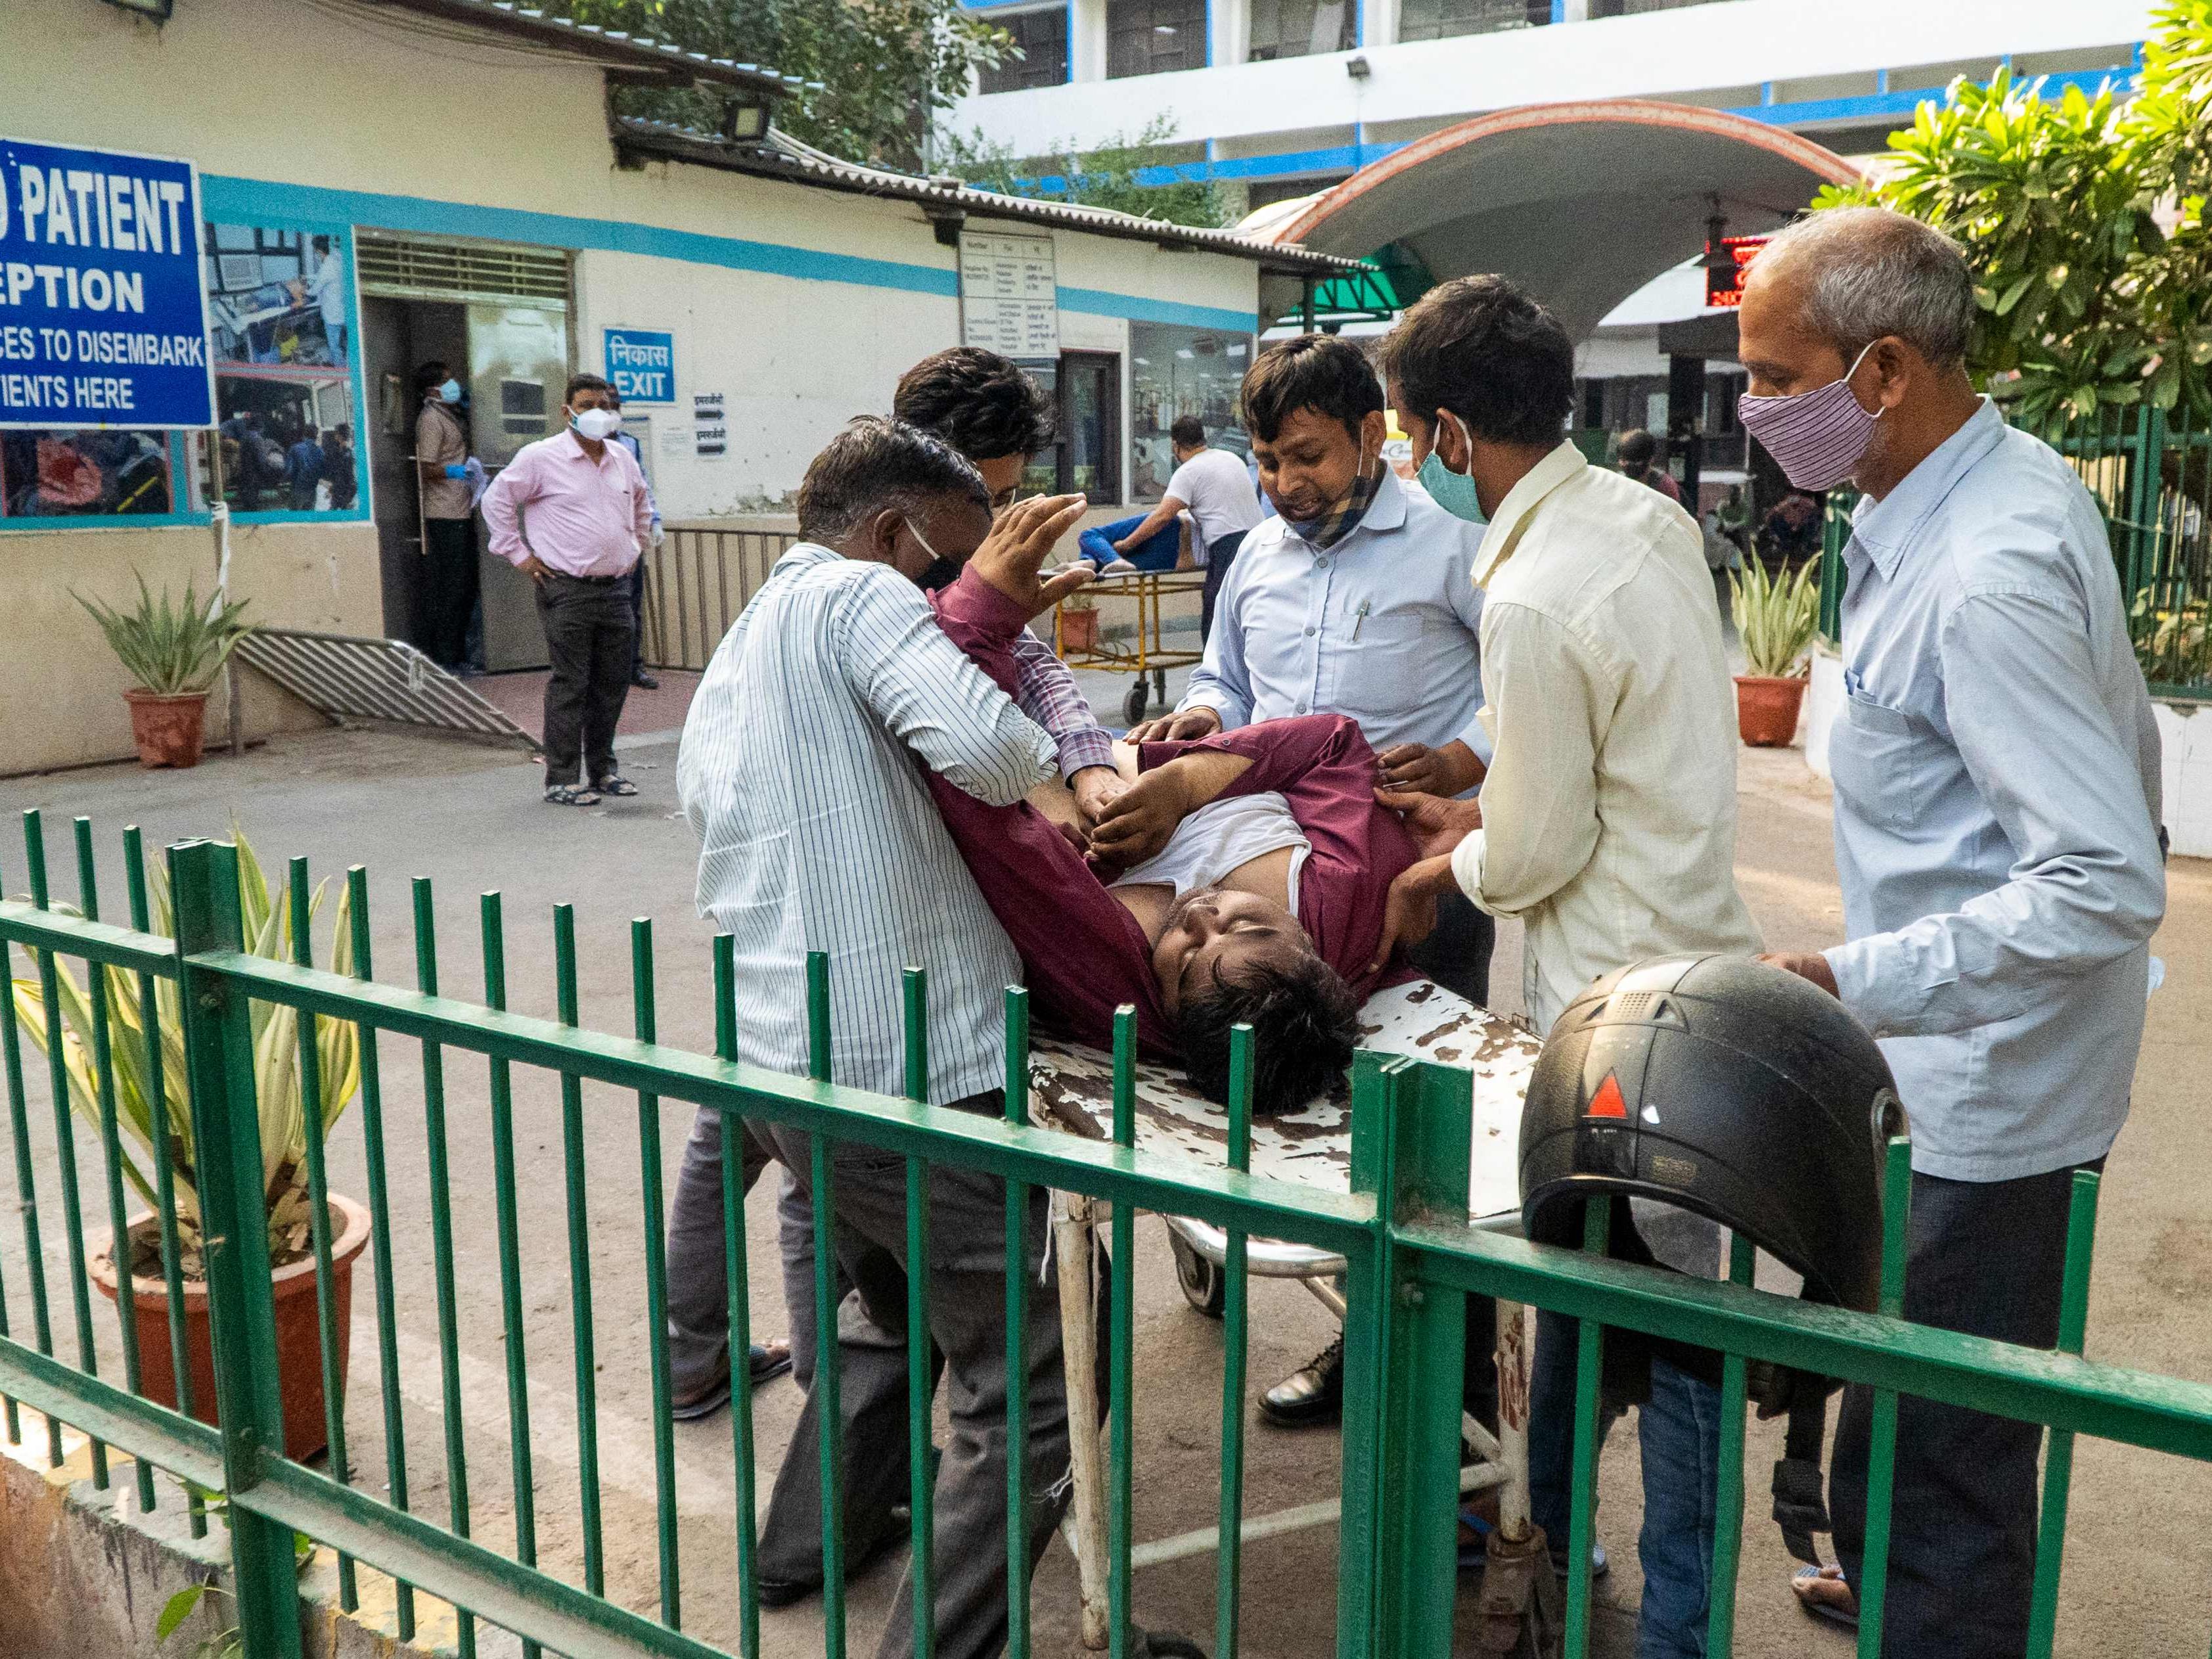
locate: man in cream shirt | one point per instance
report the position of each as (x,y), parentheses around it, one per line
(1607,822)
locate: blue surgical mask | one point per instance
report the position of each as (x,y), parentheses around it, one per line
(450,391)
(1452,491)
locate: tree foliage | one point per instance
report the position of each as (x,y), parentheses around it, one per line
(882,69)
(2085,219)
(1105,177)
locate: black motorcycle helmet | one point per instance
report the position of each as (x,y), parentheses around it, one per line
(1727,1087)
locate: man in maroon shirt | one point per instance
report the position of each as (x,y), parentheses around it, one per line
(1193,932)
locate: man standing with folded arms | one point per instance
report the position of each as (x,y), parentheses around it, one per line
(1997,797)
(572,512)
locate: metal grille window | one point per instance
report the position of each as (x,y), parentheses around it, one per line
(1295,29)
(452,270)
(1151,37)
(1041,40)
(1438,20)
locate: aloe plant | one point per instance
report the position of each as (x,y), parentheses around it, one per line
(169,649)
(286,1118)
(1776,617)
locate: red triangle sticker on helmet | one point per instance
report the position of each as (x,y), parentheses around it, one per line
(1606,1102)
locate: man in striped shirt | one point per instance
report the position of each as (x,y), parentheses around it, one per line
(798,770)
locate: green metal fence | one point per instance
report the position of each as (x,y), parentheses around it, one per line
(2150,471)
(1402,1230)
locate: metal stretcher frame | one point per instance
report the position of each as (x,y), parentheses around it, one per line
(1146,654)
(1313,1145)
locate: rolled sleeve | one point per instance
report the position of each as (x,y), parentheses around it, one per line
(1048,694)
(2087,883)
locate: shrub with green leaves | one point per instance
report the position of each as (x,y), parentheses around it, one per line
(1776,614)
(171,649)
(2084,218)
(287,1118)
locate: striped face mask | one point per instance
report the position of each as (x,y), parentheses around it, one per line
(1817,438)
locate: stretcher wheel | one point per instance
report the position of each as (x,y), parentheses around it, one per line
(1201,1281)
(1134,704)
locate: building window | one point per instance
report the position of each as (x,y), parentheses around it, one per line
(1174,371)
(1151,37)
(1086,457)
(1437,20)
(1296,28)
(1039,57)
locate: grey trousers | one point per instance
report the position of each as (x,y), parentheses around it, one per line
(967,1317)
(1985,1258)
(698,1275)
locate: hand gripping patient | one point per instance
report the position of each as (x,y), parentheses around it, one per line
(1243,879)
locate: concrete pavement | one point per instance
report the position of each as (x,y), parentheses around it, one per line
(406,806)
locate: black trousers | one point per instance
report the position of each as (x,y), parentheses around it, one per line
(1985,1258)
(636,579)
(1219,556)
(587,635)
(449,588)
(1456,955)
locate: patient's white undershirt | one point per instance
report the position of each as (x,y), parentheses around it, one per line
(1219,837)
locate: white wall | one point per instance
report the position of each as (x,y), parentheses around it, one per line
(1653,54)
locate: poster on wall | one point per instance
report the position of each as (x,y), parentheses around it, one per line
(710,426)
(1009,296)
(103,342)
(279,302)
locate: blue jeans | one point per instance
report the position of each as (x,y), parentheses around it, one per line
(1678,1431)
(1157,551)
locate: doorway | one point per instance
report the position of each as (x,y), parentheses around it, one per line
(510,350)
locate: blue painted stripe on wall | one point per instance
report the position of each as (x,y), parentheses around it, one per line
(1901,104)
(249,199)
(1100,303)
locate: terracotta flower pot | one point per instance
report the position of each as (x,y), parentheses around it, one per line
(1079,630)
(1767,708)
(299,1350)
(168,730)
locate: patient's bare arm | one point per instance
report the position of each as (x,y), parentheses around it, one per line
(1137,826)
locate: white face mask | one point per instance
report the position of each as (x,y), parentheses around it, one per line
(596,423)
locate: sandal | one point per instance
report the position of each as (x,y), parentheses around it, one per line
(615,784)
(1841,1609)
(567,794)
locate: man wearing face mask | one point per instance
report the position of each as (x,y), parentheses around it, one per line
(449,529)
(1356,599)
(572,512)
(1608,822)
(1997,796)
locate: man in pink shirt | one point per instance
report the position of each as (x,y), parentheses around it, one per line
(572,512)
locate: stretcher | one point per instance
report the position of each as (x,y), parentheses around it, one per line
(1071,1090)
(1143,654)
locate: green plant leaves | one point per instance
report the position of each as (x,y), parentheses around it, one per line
(1776,616)
(168,648)
(178,1608)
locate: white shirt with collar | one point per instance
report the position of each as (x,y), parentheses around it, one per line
(1382,628)
(1609,809)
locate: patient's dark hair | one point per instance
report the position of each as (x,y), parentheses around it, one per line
(983,405)
(1304,1021)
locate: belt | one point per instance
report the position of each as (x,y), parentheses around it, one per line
(594,581)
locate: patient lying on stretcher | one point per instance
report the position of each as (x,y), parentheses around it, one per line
(1265,904)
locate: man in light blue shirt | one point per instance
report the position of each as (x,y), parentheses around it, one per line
(1357,598)
(1996,780)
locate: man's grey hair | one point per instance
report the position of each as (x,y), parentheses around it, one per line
(1869,272)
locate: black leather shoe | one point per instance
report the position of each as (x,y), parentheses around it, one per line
(1313,1394)
(782,1592)
(644,681)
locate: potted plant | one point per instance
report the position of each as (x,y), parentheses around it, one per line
(287,1121)
(173,653)
(1776,614)
(1078,624)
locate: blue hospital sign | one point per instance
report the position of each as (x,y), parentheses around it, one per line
(643,366)
(102,318)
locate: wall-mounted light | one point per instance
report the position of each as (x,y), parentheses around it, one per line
(159,10)
(744,121)
(1357,66)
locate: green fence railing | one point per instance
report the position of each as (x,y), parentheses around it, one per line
(183,1024)
(2150,472)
